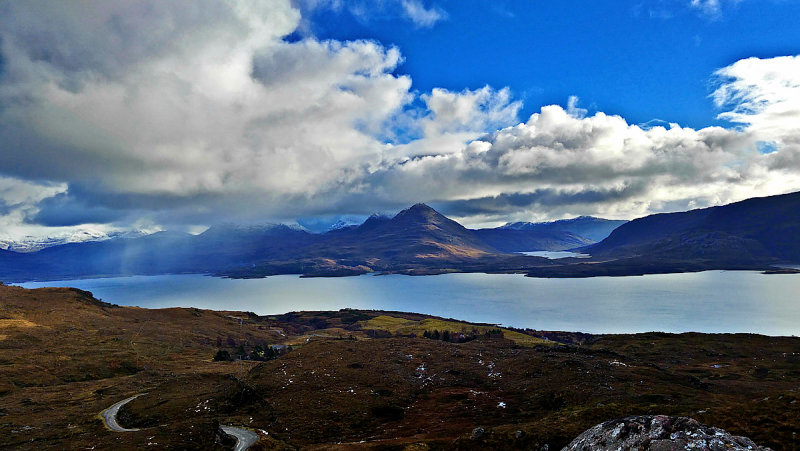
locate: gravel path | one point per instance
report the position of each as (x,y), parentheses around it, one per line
(109,415)
(244,437)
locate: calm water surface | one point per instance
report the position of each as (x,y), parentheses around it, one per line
(711,301)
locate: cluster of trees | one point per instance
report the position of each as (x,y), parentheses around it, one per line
(460,337)
(258,353)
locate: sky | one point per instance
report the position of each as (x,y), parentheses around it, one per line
(177,115)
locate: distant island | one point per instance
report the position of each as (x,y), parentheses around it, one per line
(755,234)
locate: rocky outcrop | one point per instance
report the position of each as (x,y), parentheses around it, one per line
(659,433)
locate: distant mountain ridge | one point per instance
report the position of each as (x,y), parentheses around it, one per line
(564,234)
(515,240)
(752,234)
(411,239)
(37,243)
(589,227)
(753,229)
(756,233)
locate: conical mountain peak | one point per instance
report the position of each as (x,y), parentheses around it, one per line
(418,210)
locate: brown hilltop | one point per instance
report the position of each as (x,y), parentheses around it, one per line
(416,233)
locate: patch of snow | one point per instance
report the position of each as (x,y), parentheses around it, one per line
(37,243)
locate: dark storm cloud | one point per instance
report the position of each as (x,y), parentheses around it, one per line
(65,210)
(544,199)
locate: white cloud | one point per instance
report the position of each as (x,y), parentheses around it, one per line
(239,112)
(562,163)
(710,7)
(18,200)
(764,94)
(455,118)
(185,113)
(573,109)
(184,108)
(422,16)
(369,10)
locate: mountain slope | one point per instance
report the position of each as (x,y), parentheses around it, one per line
(217,249)
(230,244)
(33,244)
(416,233)
(758,229)
(418,240)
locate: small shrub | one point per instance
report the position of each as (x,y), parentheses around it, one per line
(389,412)
(222,356)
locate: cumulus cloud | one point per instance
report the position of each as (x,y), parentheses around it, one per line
(194,106)
(452,119)
(564,163)
(180,113)
(233,108)
(561,163)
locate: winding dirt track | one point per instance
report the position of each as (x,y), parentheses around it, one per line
(109,415)
(244,437)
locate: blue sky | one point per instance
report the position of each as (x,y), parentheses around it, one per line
(145,114)
(642,60)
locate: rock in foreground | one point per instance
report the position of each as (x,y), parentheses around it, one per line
(659,433)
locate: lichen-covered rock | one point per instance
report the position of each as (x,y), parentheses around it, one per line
(659,433)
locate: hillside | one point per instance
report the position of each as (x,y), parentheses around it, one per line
(362,379)
(218,248)
(754,229)
(415,234)
(752,234)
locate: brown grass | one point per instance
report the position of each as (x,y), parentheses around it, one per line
(81,355)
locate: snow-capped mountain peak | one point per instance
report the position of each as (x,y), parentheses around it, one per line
(37,243)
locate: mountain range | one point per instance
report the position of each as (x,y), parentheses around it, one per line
(589,227)
(753,234)
(418,240)
(34,243)
(756,233)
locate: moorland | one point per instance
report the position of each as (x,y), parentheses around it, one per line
(363,379)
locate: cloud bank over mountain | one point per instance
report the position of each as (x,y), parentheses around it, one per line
(185,113)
